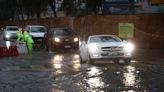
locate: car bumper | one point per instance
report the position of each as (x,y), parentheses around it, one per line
(116,55)
(11,37)
(38,40)
(74,45)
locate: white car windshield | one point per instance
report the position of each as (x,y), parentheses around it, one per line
(37,29)
(99,39)
(12,29)
(64,32)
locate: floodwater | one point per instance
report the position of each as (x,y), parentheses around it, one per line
(107,76)
(62,72)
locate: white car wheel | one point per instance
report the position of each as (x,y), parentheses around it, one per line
(127,61)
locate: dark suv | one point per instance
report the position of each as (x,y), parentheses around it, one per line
(61,38)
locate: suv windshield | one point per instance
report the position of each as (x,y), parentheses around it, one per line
(12,29)
(37,29)
(104,39)
(64,32)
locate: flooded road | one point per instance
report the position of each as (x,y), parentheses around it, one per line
(62,72)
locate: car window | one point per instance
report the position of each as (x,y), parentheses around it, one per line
(63,32)
(104,39)
(12,29)
(37,29)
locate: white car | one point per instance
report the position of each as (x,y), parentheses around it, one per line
(9,32)
(100,47)
(37,32)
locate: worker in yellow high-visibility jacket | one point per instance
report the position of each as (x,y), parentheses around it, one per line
(19,35)
(29,42)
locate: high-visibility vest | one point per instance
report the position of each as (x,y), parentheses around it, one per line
(25,35)
(19,35)
(29,39)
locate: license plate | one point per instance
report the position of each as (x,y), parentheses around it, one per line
(66,40)
(112,53)
(67,46)
(39,39)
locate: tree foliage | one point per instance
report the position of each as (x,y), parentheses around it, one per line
(19,9)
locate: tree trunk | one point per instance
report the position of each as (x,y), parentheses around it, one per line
(21,12)
(53,7)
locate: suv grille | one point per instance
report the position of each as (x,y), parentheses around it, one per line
(112,48)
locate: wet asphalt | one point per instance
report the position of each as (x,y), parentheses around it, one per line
(62,72)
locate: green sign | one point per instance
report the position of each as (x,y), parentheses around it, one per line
(126,30)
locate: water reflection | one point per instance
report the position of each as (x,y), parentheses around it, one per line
(94,81)
(8,44)
(130,76)
(94,71)
(76,56)
(76,63)
(129,91)
(57,63)
(76,67)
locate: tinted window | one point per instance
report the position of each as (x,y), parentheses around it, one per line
(37,29)
(104,39)
(64,32)
(12,29)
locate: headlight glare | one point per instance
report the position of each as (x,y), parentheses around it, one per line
(7,36)
(128,47)
(57,39)
(76,39)
(93,48)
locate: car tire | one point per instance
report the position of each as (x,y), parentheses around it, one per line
(127,61)
(90,61)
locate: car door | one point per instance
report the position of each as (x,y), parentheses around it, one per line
(37,31)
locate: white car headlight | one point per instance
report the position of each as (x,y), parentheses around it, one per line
(93,48)
(57,39)
(7,36)
(128,47)
(76,39)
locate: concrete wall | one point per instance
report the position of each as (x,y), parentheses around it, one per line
(148,29)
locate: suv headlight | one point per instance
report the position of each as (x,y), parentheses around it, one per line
(57,39)
(76,39)
(128,47)
(93,48)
